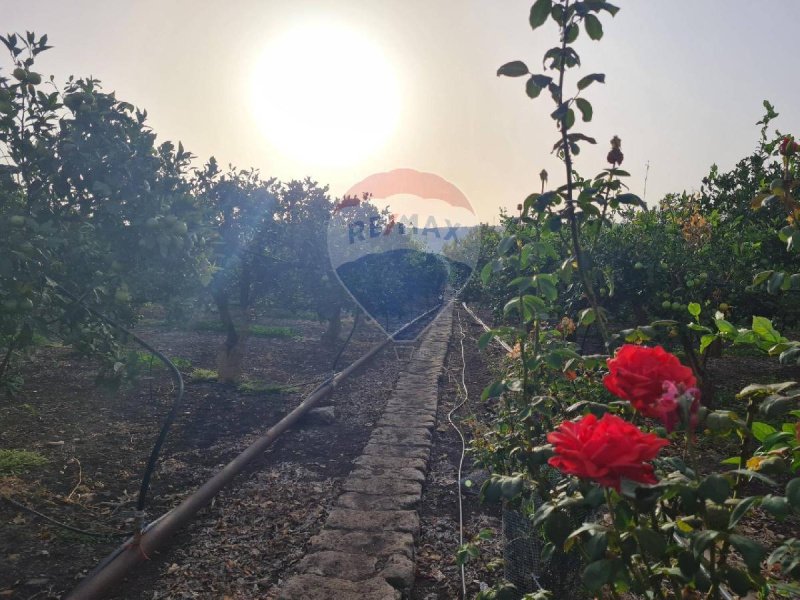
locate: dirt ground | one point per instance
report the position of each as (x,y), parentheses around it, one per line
(438,576)
(96,443)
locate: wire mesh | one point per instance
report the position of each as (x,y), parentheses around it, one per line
(522,556)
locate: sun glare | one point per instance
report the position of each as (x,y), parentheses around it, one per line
(326,95)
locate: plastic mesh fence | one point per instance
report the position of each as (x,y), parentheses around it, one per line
(522,550)
(523,565)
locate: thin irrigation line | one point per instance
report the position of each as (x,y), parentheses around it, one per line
(471,313)
(63,525)
(463,451)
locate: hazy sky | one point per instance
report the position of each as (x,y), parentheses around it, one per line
(685,83)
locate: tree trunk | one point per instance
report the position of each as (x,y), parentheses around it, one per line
(331,335)
(229,357)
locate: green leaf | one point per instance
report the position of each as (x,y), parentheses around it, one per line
(725,327)
(515,68)
(596,545)
(761,430)
(484,340)
(546,288)
(630,199)
(539,13)
(511,305)
(764,329)
(761,277)
(557,527)
(739,581)
(587,316)
(741,510)
(715,487)
(775,282)
(793,493)
(687,564)
(585,107)
(651,542)
(694,309)
(506,244)
(754,475)
(597,574)
(533,305)
(775,406)
(486,273)
(752,552)
(706,341)
(702,540)
(542,80)
(493,390)
(586,81)
(759,389)
(531,88)
(719,421)
(593,26)
(569,119)
(777,506)
(571,33)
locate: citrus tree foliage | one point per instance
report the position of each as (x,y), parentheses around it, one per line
(268,247)
(88,201)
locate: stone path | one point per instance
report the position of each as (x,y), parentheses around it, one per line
(366,549)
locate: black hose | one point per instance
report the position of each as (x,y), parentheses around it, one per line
(162,435)
(64,525)
(356,320)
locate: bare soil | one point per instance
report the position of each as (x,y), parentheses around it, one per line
(438,575)
(96,443)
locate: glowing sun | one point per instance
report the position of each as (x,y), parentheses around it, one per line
(325,94)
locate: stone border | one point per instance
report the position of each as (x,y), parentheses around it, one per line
(366,549)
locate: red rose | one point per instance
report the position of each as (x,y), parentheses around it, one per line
(641,376)
(605,451)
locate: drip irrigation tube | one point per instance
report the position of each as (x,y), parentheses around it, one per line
(356,320)
(457,406)
(165,427)
(138,548)
(505,346)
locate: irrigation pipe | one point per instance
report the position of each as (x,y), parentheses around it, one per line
(66,526)
(162,434)
(139,547)
(463,452)
(505,346)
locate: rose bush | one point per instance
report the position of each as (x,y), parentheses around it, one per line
(592,484)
